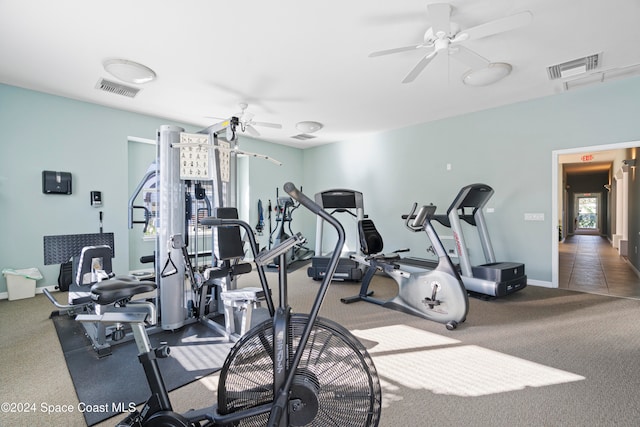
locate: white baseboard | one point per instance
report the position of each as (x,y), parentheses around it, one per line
(52,288)
(540,283)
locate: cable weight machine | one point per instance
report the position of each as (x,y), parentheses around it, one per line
(185,160)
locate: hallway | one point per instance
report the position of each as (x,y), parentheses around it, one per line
(589,263)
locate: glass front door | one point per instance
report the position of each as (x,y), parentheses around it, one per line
(587,212)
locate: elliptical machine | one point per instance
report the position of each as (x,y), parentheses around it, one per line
(436,294)
(285,207)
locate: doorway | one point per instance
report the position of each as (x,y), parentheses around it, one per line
(589,214)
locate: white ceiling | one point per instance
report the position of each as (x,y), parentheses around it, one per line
(294,60)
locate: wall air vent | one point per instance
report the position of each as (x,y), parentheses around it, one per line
(117,88)
(303,137)
(574,67)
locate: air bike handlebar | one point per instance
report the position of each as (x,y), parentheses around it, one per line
(335,256)
(316,209)
(282,396)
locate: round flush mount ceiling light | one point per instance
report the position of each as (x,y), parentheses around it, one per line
(129,71)
(308,126)
(490,74)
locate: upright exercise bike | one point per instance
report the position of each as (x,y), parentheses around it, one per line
(436,294)
(291,370)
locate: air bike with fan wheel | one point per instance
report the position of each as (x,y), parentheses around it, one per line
(291,370)
(435,294)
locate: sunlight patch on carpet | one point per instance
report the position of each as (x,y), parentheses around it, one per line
(196,357)
(467,371)
(401,337)
(452,369)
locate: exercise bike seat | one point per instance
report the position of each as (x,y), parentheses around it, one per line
(110,291)
(371,243)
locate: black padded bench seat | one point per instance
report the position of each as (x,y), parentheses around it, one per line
(113,290)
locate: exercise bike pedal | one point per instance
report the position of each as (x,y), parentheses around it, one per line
(162,351)
(431,303)
(132,420)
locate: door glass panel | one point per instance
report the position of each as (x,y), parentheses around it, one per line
(587,212)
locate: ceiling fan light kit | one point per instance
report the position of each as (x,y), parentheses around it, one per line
(129,71)
(488,75)
(309,126)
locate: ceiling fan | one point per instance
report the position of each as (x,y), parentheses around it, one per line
(445,37)
(246,122)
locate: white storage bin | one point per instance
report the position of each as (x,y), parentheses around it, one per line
(21,283)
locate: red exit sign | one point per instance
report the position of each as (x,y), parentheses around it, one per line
(587,157)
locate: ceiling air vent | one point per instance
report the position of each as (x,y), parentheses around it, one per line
(575,67)
(117,88)
(602,76)
(303,137)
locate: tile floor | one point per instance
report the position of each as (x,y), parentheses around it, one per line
(589,263)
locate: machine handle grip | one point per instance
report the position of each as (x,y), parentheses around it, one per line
(214,222)
(146,259)
(421,216)
(425,213)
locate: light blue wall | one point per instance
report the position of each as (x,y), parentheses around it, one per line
(509,148)
(264,177)
(44,132)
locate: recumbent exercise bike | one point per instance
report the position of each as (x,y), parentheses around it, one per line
(436,294)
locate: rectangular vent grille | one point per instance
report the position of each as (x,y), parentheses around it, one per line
(303,136)
(574,67)
(117,88)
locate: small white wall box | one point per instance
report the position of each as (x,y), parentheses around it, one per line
(21,283)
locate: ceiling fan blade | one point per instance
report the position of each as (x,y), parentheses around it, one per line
(216,118)
(419,67)
(468,57)
(268,125)
(439,14)
(395,50)
(499,25)
(207,130)
(251,130)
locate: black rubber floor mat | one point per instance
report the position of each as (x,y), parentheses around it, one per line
(109,385)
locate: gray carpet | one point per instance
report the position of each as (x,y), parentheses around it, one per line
(540,357)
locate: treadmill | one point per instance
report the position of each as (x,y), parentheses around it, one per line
(340,201)
(492,279)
